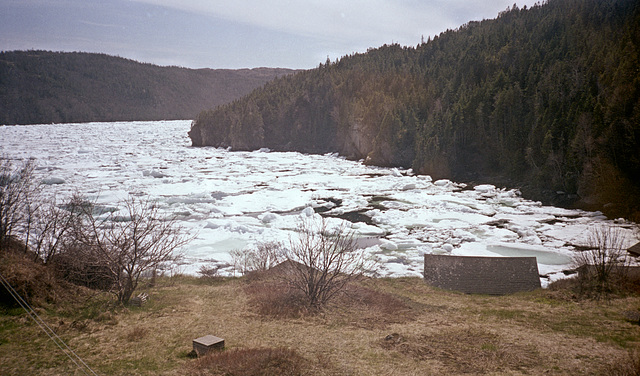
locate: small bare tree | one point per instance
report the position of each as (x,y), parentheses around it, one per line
(261,258)
(210,271)
(605,259)
(125,247)
(17,188)
(322,261)
(50,229)
(265,256)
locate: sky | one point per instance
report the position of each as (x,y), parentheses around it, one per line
(233,33)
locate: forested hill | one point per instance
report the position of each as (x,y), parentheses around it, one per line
(544,98)
(55,87)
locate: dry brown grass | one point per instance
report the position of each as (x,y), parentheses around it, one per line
(466,350)
(34,282)
(429,331)
(276,299)
(369,307)
(625,365)
(251,362)
(587,287)
(136,334)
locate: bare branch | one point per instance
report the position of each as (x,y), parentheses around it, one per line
(605,257)
(261,258)
(324,261)
(17,192)
(125,247)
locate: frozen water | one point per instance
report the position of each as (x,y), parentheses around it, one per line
(233,200)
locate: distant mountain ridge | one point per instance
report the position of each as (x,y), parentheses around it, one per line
(545,99)
(60,87)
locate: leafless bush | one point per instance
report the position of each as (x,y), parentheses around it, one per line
(239,257)
(89,244)
(123,248)
(50,229)
(81,265)
(17,190)
(605,260)
(212,271)
(261,258)
(266,255)
(322,261)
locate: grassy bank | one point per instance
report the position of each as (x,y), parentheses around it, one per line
(383,327)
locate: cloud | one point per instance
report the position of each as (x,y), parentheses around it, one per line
(232,34)
(100,24)
(353,21)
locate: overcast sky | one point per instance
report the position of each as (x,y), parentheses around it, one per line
(232,33)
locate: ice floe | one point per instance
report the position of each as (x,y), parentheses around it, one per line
(232,200)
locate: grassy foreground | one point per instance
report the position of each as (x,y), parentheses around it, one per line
(383,327)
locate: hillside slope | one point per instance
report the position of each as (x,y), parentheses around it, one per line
(546,99)
(55,87)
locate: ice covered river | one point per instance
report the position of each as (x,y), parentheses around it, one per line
(232,200)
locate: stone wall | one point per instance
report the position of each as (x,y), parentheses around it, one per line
(482,275)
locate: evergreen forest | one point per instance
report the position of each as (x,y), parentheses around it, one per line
(56,87)
(545,99)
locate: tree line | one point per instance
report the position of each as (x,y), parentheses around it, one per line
(545,98)
(57,87)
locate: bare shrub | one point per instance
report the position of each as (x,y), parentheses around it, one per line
(259,259)
(605,261)
(25,213)
(322,261)
(82,266)
(265,256)
(250,362)
(51,228)
(210,272)
(123,248)
(239,258)
(17,191)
